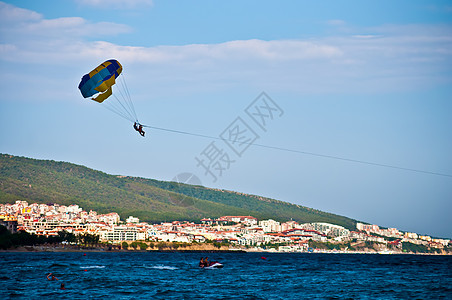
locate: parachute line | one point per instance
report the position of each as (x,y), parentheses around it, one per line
(126,111)
(126,88)
(125,104)
(111,107)
(306,153)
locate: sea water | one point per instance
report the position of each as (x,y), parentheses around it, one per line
(160,275)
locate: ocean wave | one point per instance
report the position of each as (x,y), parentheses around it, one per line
(162,267)
(93,267)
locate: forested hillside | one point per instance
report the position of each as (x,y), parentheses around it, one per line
(46,181)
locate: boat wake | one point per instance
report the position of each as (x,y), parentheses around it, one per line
(162,267)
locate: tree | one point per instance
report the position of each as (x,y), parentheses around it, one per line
(134,245)
(67,236)
(89,239)
(125,245)
(5,238)
(143,246)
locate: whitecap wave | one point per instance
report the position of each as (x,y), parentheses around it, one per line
(93,267)
(162,267)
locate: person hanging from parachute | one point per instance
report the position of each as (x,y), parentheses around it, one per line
(100,81)
(139,128)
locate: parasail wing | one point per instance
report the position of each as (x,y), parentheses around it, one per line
(101,97)
(98,85)
(101,79)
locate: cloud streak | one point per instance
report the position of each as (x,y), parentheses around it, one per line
(10,14)
(116,4)
(22,26)
(379,59)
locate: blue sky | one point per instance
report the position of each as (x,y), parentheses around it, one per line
(361,80)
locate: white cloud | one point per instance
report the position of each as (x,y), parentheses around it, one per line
(238,51)
(10,14)
(24,26)
(116,4)
(390,58)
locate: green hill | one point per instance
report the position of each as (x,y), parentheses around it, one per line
(47,181)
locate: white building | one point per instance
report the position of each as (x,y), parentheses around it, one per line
(368,228)
(133,220)
(294,248)
(111,218)
(331,229)
(270,225)
(411,235)
(122,233)
(248,220)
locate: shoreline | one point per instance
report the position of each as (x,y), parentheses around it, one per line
(42,249)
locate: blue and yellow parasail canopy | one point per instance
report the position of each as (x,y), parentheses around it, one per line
(100,80)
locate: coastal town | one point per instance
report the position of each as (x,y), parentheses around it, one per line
(245,233)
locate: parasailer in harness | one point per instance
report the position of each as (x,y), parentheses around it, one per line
(98,86)
(138,127)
